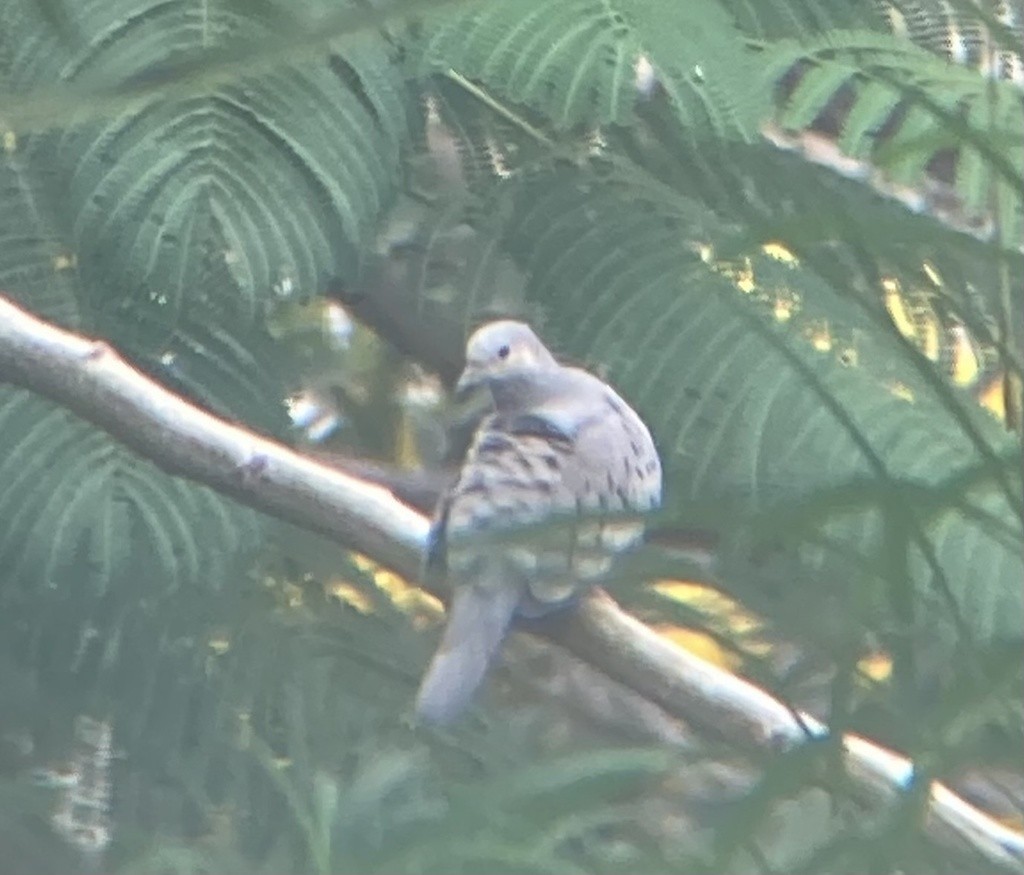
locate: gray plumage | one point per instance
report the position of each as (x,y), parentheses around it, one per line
(559,446)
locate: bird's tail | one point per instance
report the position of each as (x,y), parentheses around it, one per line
(478,619)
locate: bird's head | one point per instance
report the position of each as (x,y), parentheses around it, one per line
(502,348)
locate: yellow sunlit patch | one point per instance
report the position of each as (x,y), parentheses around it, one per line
(779,253)
(820,337)
(744,277)
(965,365)
(63,262)
(932,274)
(783,308)
(694,594)
(877,666)
(740,272)
(707,253)
(726,612)
(364,563)
(404,596)
(350,595)
(219,645)
(901,390)
(702,645)
(897,308)
(10,142)
(993,398)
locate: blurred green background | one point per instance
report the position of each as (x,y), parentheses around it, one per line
(788,231)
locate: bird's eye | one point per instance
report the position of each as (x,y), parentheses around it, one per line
(503,351)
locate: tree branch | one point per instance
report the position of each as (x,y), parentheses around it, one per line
(89,378)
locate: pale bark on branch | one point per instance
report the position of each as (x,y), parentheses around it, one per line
(89,378)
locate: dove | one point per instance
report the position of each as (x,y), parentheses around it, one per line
(557,449)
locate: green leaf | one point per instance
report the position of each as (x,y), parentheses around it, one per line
(747,412)
(576,62)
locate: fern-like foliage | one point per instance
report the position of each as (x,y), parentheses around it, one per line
(614,245)
(906,107)
(746,408)
(172,228)
(581,62)
(596,167)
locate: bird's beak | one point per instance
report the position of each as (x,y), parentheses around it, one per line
(469,380)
